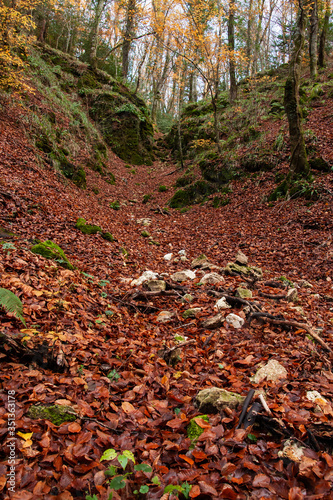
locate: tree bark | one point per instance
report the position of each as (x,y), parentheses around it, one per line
(298,163)
(313,38)
(231,45)
(323,35)
(91,50)
(249,39)
(128,34)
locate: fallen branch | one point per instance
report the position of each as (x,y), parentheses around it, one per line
(171,354)
(272,296)
(151,294)
(173,171)
(305,327)
(282,322)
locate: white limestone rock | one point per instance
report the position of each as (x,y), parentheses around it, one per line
(234,320)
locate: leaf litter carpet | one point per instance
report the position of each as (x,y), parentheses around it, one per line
(89,316)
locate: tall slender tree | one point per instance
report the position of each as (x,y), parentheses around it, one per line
(298,162)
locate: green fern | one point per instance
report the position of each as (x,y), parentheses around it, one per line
(11,303)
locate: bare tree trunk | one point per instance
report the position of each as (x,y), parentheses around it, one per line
(91,51)
(298,163)
(249,38)
(323,35)
(313,38)
(231,44)
(128,34)
(257,42)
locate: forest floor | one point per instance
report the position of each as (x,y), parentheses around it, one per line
(90,317)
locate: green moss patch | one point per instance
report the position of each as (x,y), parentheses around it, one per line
(107,236)
(51,250)
(57,414)
(87,228)
(194,430)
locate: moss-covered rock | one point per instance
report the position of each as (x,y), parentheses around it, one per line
(4,233)
(243,293)
(214,400)
(191,313)
(87,228)
(195,193)
(125,124)
(107,236)
(71,171)
(57,414)
(145,234)
(258,162)
(320,164)
(51,250)
(232,268)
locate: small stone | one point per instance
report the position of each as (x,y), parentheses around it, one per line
(156,285)
(292,295)
(213,322)
(144,222)
(183,275)
(298,309)
(182,253)
(323,403)
(199,261)
(187,298)
(165,316)
(222,304)
(211,278)
(243,293)
(168,256)
(272,371)
(145,234)
(183,258)
(234,320)
(214,399)
(191,313)
(241,259)
(305,284)
(146,276)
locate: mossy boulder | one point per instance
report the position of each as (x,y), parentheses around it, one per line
(320,164)
(51,250)
(195,193)
(235,269)
(257,162)
(57,414)
(214,400)
(87,228)
(71,171)
(125,124)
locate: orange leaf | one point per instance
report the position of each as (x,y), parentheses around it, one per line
(187,459)
(128,408)
(199,455)
(202,423)
(74,427)
(195,491)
